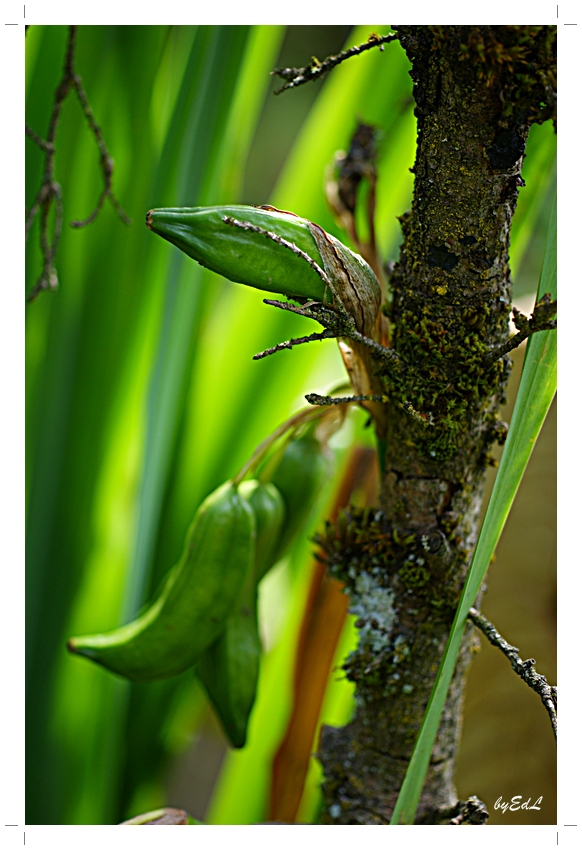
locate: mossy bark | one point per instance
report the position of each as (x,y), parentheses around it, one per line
(477,91)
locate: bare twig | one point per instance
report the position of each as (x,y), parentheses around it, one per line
(290,343)
(107,163)
(342,326)
(327,400)
(315,70)
(311,309)
(543,318)
(524,669)
(50,191)
(45,146)
(326,314)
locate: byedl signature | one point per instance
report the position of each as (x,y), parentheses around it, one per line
(516,804)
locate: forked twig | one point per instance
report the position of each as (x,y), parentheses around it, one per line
(524,669)
(50,192)
(339,325)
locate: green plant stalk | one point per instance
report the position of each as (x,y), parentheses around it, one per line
(306,414)
(536,391)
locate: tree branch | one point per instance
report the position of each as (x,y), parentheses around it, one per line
(107,163)
(524,669)
(316,69)
(281,346)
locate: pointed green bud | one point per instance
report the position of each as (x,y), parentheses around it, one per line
(274,251)
(245,256)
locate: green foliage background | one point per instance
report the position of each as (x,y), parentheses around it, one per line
(141,391)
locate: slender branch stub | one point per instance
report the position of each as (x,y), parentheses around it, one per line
(543,318)
(525,669)
(277,252)
(328,400)
(297,76)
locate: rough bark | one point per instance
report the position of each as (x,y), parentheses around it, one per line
(477,91)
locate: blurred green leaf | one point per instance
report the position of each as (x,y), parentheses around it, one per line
(91,349)
(534,207)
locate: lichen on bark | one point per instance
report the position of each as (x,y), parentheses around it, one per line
(477,90)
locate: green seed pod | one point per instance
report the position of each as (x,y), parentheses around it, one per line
(244,256)
(232,242)
(195,602)
(299,476)
(269,510)
(229,669)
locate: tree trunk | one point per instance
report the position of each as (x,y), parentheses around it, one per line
(477,91)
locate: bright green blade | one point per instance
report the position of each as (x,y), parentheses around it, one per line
(536,391)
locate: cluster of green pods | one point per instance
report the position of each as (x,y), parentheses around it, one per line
(205,616)
(206,613)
